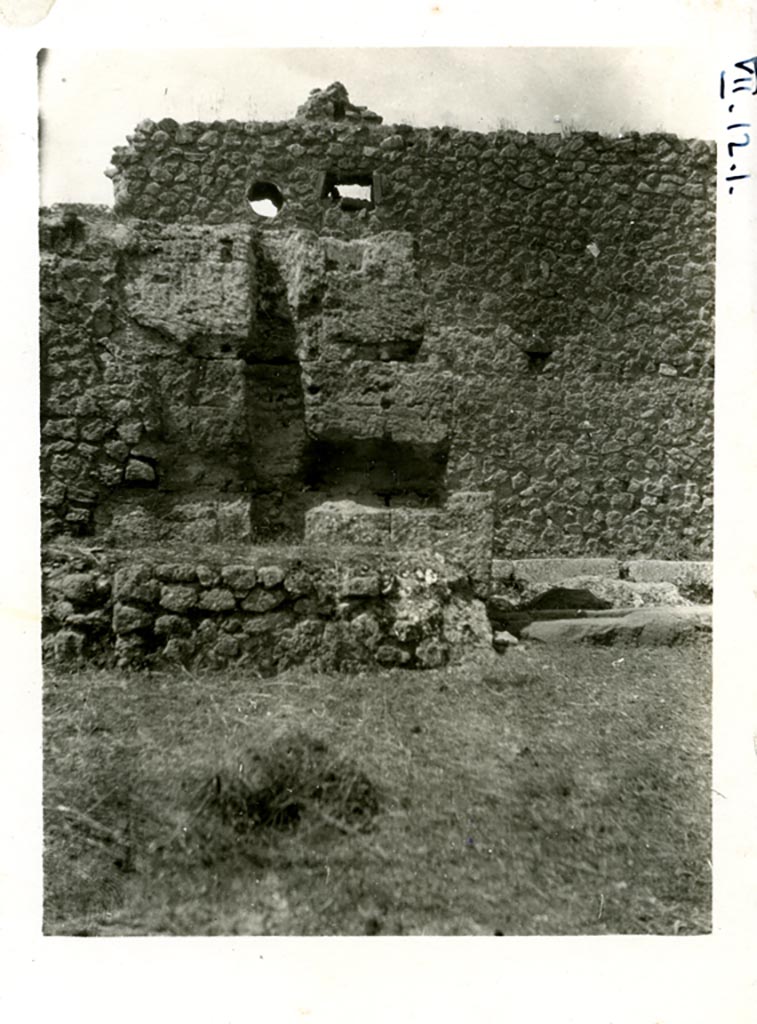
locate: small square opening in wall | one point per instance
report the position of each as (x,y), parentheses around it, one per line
(349,191)
(537,360)
(537,353)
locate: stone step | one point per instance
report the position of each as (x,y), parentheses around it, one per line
(522,616)
(658,626)
(610,579)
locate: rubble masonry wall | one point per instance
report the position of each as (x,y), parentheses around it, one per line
(567,291)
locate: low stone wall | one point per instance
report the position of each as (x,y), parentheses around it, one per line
(338,604)
(266,609)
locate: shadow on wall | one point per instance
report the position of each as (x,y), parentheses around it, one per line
(383,471)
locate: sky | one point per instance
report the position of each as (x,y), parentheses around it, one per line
(90,100)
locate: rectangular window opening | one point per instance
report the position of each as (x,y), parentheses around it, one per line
(349,191)
(537,360)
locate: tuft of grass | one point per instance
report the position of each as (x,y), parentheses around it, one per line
(543,791)
(292,776)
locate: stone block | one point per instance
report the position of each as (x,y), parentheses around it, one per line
(415,529)
(416,616)
(269,623)
(178,598)
(135,583)
(346,406)
(584,592)
(462,531)
(502,640)
(347,522)
(687,576)
(226,648)
(374,311)
(300,258)
(665,626)
(240,578)
(502,572)
(365,400)
(421,405)
(217,600)
(172,625)
(96,619)
(178,650)
(467,535)
(192,521)
(205,411)
(431,653)
(233,521)
(76,587)
(139,472)
(60,611)
(207,576)
(128,619)
(261,600)
(572,631)
(348,645)
(391,656)
(646,627)
(178,283)
(466,625)
(627,594)
(300,581)
(134,526)
(367,290)
(109,474)
(176,572)
(271,576)
(207,632)
(67,646)
(130,431)
(130,650)
(360,585)
(300,643)
(553,570)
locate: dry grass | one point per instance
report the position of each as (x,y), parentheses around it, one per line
(544,792)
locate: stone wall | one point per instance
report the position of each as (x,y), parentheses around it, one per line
(326,608)
(526,315)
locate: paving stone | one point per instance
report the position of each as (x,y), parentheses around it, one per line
(646,627)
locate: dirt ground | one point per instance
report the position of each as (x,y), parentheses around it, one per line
(546,791)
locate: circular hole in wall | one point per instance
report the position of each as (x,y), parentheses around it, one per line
(265,198)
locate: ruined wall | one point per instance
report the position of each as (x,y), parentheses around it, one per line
(527,315)
(266,610)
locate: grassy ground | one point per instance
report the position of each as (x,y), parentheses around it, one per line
(549,791)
